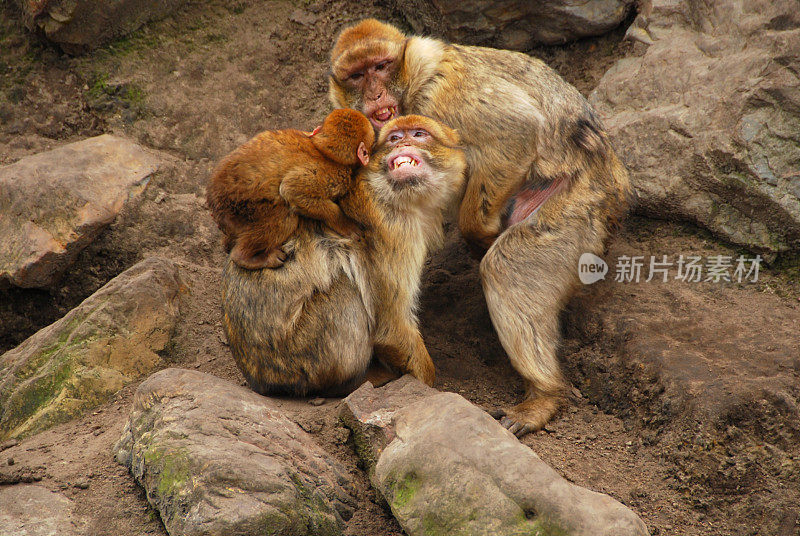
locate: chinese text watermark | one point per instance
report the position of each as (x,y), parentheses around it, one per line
(684,268)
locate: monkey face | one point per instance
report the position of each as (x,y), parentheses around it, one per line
(417,162)
(365,62)
(371,79)
(407,163)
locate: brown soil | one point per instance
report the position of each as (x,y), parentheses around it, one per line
(198,84)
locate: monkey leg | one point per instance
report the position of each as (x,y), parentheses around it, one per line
(527,276)
(485,199)
(402,348)
(310,198)
(259,244)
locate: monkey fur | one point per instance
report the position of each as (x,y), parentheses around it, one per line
(258,192)
(544,184)
(314,325)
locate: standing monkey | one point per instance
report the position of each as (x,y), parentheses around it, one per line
(312,326)
(257,192)
(544,183)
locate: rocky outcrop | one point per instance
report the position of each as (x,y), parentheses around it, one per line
(33,510)
(81,25)
(514,24)
(53,204)
(216,458)
(78,362)
(445,466)
(708,117)
(699,373)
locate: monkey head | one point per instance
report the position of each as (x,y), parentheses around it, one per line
(345,136)
(365,62)
(417,163)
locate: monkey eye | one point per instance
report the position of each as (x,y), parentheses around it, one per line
(395,136)
(420,133)
(355,77)
(383,65)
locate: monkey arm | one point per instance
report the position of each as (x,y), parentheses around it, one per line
(310,196)
(401,346)
(397,341)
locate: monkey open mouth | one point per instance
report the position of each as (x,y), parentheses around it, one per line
(383,115)
(403,160)
(405,166)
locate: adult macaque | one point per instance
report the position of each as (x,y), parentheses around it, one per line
(258,191)
(311,326)
(541,172)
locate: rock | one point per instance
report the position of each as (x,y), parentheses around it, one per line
(708,118)
(53,204)
(33,510)
(216,458)
(698,372)
(81,25)
(445,466)
(78,362)
(513,24)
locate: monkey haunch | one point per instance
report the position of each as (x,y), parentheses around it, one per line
(257,191)
(540,167)
(311,326)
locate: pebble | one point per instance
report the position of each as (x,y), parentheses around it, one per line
(11,461)
(8,444)
(316,401)
(82,484)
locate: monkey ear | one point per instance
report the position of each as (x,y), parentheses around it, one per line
(363,154)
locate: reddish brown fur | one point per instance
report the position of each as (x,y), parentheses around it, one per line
(258,192)
(313,325)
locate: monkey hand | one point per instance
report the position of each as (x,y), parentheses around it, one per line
(349,229)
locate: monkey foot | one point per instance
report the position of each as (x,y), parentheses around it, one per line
(528,416)
(273,258)
(379,375)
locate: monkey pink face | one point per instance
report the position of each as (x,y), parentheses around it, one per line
(372,79)
(406,165)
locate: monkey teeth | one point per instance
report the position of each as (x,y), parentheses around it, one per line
(384,114)
(403,161)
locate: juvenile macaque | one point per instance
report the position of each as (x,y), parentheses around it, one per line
(258,192)
(313,325)
(544,183)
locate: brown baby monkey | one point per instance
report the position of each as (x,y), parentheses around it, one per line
(314,325)
(259,191)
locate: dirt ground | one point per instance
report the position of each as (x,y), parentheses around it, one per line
(196,85)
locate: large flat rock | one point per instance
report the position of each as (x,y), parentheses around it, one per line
(78,362)
(216,458)
(446,467)
(53,204)
(708,118)
(33,510)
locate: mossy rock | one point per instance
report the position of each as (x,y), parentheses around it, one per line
(77,363)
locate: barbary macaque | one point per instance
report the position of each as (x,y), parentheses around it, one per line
(313,325)
(544,184)
(259,191)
